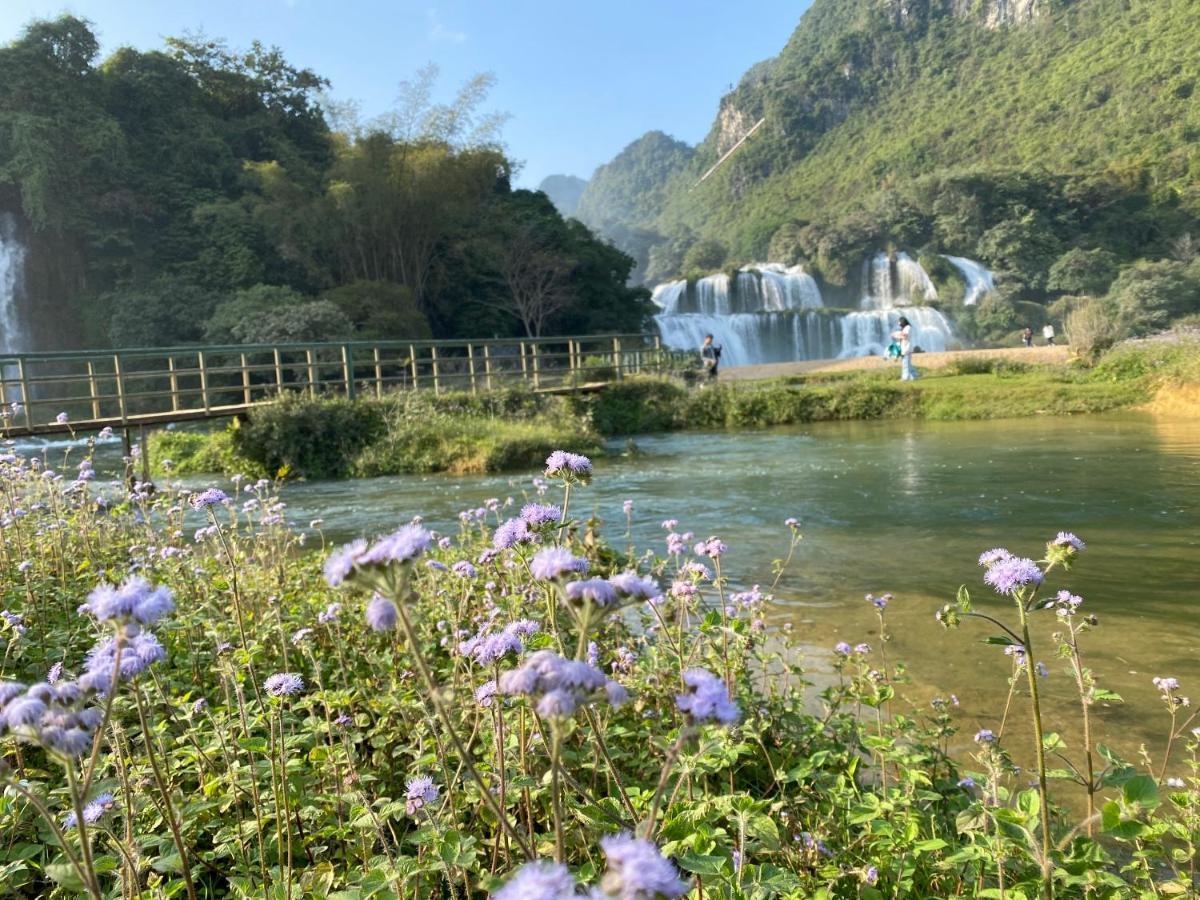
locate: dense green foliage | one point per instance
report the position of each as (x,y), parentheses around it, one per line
(406,433)
(1057,152)
(442,708)
(198,193)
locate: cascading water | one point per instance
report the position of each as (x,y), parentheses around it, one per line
(979,280)
(12,269)
(763,314)
(769,312)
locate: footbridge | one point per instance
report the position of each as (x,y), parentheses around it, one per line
(150,386)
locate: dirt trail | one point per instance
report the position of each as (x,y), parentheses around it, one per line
(1043,355)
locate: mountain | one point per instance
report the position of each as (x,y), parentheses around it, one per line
(564,192)
(1027,134)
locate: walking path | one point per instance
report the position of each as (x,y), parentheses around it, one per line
(1042,355)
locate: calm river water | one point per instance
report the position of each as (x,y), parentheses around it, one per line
(905,507)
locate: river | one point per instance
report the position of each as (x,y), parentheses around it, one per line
(906,507)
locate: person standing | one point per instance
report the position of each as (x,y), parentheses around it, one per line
(1048,334)
(903,334)
(710,357)
(1027,337)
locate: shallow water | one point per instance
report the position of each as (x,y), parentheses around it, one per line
(905,507)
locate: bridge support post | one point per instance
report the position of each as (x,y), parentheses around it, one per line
(536,373)
(471,365)
(437,384)
(94,388)
(174,384)
(348,370)
(487,367)
(378,375)
(145,450)
(618,362)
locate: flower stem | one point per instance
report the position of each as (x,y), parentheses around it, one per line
(1044,806)
(488,800)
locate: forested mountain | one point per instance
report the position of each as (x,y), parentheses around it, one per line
(197,193)
(1057,141)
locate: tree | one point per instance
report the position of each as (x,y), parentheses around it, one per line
(163,312)
(380,310)
(1147,295)
(1081,271)
(705,256)
(536,279)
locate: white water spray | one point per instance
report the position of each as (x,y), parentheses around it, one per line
(13,338)
(980,281)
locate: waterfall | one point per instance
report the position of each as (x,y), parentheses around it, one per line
(12,264)
(979,280)
(868,333)
(767,312)
(890,281)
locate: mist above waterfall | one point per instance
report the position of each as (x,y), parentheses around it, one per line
(767,312)
(13,336)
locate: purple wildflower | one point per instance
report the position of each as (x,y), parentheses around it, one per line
(381,614)
(540,880)
(841,648)
(538,514)
(633,586)
(636,870)
(329,614)
(136,599)
(989,558)
(284,684)
(871,875)
(556,562)
(137,654)
(627,506)
(340,564)
(1166,685)
(511,533)
(985,736)
(1010,575)
(209,497)
(545,673)
(595,591)
(401,546)
(421,792)
(55,673)
(561,464)
(712,548)
(707,700)
(463,569)
(485,693)
(792,522)
(93,812)
(1067,539)
(61,418)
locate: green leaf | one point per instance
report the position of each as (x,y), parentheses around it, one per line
(929,845)
(1142,791)
(1001,640)
(699,864)
(1052,741)
(65,875)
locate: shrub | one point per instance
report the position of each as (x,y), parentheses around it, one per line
(200,453)
(309,438)
(635,406)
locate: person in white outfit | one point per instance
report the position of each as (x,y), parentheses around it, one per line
(903,334)
(1048,334)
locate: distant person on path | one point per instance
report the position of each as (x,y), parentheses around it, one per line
(710,357)
(1027,337)
(1048,334)
(903,334)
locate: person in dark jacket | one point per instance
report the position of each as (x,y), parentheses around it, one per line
(710,357)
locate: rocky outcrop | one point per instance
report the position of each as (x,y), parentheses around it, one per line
(997,13)
(732,125)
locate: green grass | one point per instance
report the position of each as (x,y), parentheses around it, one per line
(404,434)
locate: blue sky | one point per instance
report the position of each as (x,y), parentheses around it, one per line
(580,78)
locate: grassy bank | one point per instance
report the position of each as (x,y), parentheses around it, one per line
(402,434)
(463,433)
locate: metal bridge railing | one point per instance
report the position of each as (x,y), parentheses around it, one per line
(144,386)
